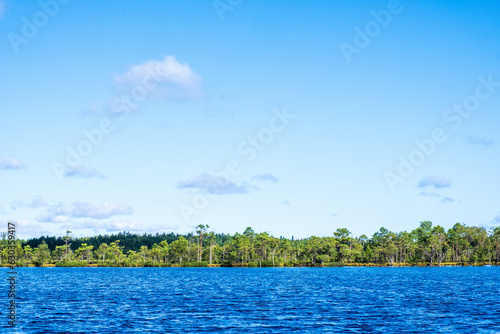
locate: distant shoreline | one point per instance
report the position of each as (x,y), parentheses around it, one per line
(345,265)
(425,246)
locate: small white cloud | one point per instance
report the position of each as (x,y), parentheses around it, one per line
(27,229)
(38,202)
(434,181)
(266,177)
(475,141)
(285,203)
(449,200)
(171,78)
(114,225)
(429,194)
(62,213)
(118,225)
(214,185)
(11,163)
(83,172)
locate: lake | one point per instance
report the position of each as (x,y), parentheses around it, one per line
(258,300)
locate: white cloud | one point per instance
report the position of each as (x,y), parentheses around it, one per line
(26,229)
(434,181)
(266,177)
(213,185)
(36,203)
(118,225)
(436,184)
(11,163)
(165,79)
(62,213)
(474,141)
(448,200)
(83,172)
(114,226)
(178,80)
(429,194)
(495,222)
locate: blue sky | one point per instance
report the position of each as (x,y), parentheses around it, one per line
(292,117)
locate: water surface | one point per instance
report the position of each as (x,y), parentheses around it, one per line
(263,300)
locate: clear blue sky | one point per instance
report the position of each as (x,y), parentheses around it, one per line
(292,117)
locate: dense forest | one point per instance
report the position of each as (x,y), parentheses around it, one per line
(426,245)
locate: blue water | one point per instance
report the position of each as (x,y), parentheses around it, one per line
(257,300)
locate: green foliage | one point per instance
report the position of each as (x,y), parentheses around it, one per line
(71,264)
(195,264)
(334,264)
(267,263)
(426,245)
(41,255)
(151,264)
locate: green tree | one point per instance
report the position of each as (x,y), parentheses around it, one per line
(28,253)
(85,251)
(201,230)
(345,245)
(261,245)
(144,253)
(432,242)
(132,257)
(243,246)
(156,252)
(313,249)
(495,241)
(41,254)
(285,247)
(164,250)
(178,248)
(115,252)
(59,253)
(66,239)
(102,251)
(211,238)
(385,245)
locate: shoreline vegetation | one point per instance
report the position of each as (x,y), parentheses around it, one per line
(427,245)
(205,264)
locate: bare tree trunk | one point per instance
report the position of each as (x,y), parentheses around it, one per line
(441,257)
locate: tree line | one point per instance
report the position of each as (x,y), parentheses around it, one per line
(425,245)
